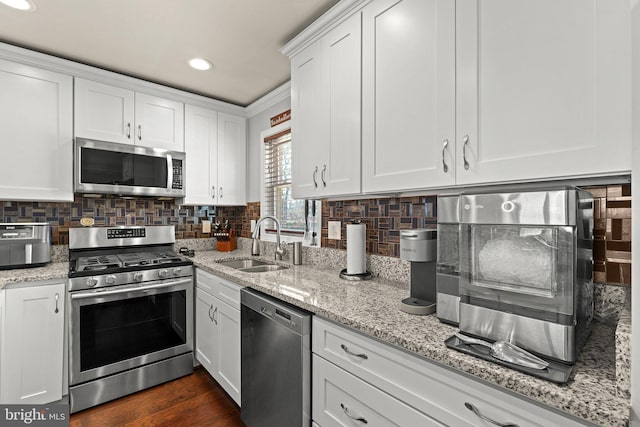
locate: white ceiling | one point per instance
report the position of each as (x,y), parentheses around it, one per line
(154,39)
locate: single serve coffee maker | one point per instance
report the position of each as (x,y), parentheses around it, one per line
(419,247)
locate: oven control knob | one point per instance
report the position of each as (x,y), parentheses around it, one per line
(91,282)
(110,279)
(177,271)
(137,277)
(163,273)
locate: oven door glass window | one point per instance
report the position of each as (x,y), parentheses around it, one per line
(118,330)
(117,168)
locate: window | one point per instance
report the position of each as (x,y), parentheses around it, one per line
(278,200)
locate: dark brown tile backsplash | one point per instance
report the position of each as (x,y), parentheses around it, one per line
(612,234)
(384,219)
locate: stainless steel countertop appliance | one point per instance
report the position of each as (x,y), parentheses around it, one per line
(448,263)
(24,244)
(526,269)
(130,312)
(276,362)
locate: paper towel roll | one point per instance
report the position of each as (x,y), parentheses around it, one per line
(356,251)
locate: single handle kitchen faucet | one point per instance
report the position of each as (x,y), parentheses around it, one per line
(255,244)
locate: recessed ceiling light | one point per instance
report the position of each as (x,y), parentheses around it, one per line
(26,5)
(197,63)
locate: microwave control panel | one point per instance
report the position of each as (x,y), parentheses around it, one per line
(177,175)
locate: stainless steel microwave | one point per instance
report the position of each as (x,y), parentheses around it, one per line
(109,167)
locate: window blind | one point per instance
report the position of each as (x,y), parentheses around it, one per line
(278,200)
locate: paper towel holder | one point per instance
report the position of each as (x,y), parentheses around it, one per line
(356,276)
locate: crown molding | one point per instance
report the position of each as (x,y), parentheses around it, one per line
(277,95)
(334,16)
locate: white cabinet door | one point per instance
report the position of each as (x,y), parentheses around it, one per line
(543,89)
(36,133)
(232,160)
(159,122)
(408,94)
(309,121)
(228,349)
(340,170)
(32,347)
(201,146)
(206,331)
(103,112)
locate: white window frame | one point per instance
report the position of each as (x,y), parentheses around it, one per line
(266,236)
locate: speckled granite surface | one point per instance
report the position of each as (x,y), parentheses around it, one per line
(372,307)
(623,353)
(51,271)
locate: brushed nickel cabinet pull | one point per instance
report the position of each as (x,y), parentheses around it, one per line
(213,192)
(350,353)
(324,169)
(128,130)
(348,414)
(315,173)
(57,298)
(220,192)
(214,316)
(476,411)
(465,141)
(210,310)
(445,168)
(139,132)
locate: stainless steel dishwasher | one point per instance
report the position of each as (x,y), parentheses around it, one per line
(276,362)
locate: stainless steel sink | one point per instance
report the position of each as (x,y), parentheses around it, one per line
(252,265)
(243,263)
(263,268)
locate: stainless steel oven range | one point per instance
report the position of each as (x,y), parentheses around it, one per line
(130,312)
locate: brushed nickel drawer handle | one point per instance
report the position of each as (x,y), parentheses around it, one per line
(350,353)
(348,414)
(476,411)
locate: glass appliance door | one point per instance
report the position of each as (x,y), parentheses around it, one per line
(119,168)
(112,333)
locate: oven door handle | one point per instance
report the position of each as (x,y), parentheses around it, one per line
(127,289)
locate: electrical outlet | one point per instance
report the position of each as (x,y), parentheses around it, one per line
(253,225)
(335,230)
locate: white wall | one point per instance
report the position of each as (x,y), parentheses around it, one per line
(635,214)
(259,114)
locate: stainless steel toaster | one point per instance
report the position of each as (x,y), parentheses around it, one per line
(24,244)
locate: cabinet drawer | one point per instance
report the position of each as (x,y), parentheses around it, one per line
(440,392)
(341,399)
(218,287)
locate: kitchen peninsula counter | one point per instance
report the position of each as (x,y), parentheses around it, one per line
(372,307)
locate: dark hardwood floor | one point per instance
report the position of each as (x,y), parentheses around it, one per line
(194,400)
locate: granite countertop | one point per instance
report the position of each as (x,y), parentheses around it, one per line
(372,307)
(50,271)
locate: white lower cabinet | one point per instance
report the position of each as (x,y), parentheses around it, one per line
(217,347)
(31,347)
(386,386)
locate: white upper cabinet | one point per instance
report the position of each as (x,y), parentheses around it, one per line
(408,99)
(115,114)
(201,147)
(325,104)
(31,352)
(232,160)
(36,107)
(215,144)
(543,89)
(159,122)
(103,112)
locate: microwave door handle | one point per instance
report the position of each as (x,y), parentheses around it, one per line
(169,171)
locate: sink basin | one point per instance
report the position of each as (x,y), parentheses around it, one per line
(252,265)
(244,263)
(263,268)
